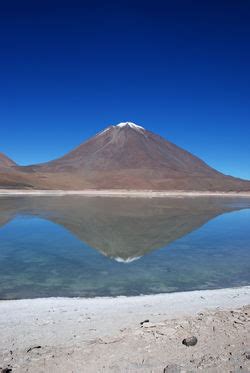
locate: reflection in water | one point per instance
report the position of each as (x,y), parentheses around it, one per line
(123,229)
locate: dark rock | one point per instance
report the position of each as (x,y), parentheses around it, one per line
(172,368)
(190,341)
(247,354)
(143,322)
(32,348)
(6,370)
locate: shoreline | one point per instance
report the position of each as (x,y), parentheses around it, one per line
(214,298)
(228,291)
(105,334)
(120,193)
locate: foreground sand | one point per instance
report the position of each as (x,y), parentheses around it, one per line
(105,334)
(119,193)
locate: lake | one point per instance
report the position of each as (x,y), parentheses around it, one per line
(110,246)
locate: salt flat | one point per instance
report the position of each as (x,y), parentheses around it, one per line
(119,193)
(105,334)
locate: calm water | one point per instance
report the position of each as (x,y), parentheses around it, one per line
(79,246)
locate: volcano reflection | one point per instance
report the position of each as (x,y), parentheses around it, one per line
(124,229)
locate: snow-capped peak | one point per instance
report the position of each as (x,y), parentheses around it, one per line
(131,125)
(124,125)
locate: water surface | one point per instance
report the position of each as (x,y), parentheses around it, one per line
(97,246)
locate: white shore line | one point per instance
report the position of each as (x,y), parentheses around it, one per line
(214,298)
(121,193)
(15,314)
(106,335)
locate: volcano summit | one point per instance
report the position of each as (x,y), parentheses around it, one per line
(125,156)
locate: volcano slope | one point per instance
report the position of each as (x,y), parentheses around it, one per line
(125,156)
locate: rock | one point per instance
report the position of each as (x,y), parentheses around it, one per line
(32,348)
(247,355)
(6,370)
(172,368)
(190,341)
(149,325)
(242,318)
(143,322)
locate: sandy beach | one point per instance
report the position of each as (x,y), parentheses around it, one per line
(134,334)
(120,193)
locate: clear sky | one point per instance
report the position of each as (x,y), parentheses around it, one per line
(180,68)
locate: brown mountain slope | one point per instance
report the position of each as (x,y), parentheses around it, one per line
(128,147)
(127,156)
(9,177)
(6,162)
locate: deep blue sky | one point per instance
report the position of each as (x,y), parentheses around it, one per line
(180,68)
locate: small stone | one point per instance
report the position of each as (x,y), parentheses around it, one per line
(32,348)
(172,368)
(247,354)
(143,322)
(190,341)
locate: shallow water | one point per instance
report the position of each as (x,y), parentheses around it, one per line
(97,246)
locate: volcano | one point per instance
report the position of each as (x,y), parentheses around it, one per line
(127,156)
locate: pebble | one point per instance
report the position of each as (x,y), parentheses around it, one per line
(32,348)
(172,368)
(190,341)
(247,354)
(143,322)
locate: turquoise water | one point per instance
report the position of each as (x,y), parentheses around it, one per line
(78,246)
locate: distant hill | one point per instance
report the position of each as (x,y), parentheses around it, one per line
(6,162)
(125,156)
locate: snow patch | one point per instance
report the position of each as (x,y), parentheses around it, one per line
(131,125)
(128,260)
(124,125)
(105,130)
